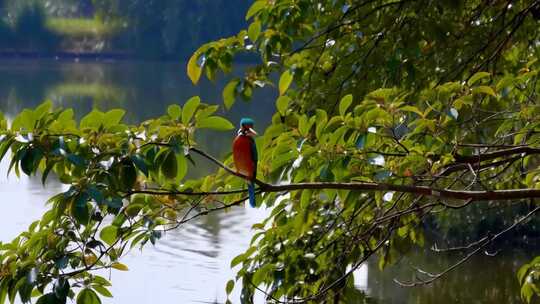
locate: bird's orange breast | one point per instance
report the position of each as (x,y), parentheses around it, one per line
(243,160)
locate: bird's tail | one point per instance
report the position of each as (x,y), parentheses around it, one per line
(251,192)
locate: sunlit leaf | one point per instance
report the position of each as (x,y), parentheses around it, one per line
(120,266)
(109,234)
(189,109)
(194,71)
(229,93)
(174,111)
(255,8)
(282,104)
(254,30)
(285,81)
(215,123)
(345,103)
(477,77)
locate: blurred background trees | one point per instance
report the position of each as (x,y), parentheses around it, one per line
(163,29)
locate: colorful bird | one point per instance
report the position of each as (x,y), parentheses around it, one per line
(245,155)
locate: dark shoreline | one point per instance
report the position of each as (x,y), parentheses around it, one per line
(103,56)
(68,55)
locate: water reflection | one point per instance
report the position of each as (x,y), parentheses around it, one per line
(483,279)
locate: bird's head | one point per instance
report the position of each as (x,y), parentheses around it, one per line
(246,127)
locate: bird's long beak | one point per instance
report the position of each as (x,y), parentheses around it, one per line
(252,131)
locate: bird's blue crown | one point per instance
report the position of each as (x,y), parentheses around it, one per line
(246,122)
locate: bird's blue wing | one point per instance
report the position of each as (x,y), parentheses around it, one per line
(254,155)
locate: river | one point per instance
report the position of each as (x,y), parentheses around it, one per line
(191,264)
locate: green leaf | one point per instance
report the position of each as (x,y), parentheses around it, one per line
(24,121)
(43,109)
(102,291)
(282,104)
(49,298)
(92,120)
(237,260)
(4,286)
(229,287)
(140,163)
(76,160)
(120,266)
(215,123)
(174,111)
(255,8)
(229,93)
(113,117)
(521,274)
(484,89)
(305,199)
(101,281)
(30,160)
(109,234)
(262,273)
(206,111)
(477,77)
(50,165)
(88,296)
(254,30)
(527,292)
(326,174)
(412,109)
(61,288)
(182,167)
(127,174)
(189,109)
(285,81)
(345,103)
(79,209)
(169,166)
(193,70)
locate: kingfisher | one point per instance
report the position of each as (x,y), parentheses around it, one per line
(245,155)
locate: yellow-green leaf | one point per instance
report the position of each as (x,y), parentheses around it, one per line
(477,77)
(109,234)
(174,111)
(282,104)
(102,291)
(412,109)
(119,266)
(113,117)
(189,109)
(182,166)
(285,81)
(229,287)
(254,30)
(193,69)
(484,89)
(255,8)
(215,123)
(229,93)
(345,103)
